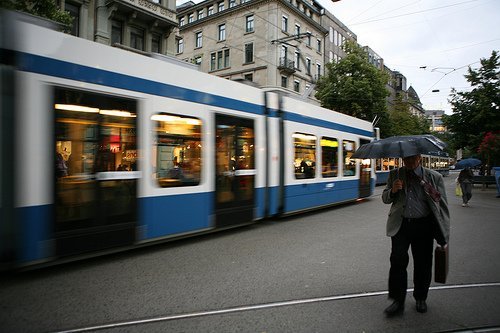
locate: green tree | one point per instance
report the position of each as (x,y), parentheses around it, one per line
(476,112)
(355,87)
(403,122)
(43,8)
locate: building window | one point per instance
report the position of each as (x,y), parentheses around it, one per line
(201,14)
(199,39)
(213,58)
(137,38)
(198,60)
(297,59)
(219,60)
(116,32)
(248,77)
(329,157)
(284,23)
(249,23)
(155,43)
(182,21)
(222,32)
(220,6)
(296,85)
(180,45)
(191,18)
(232,3)
(349,164)
(210,10)
(226,58)
(248,52)
(305,155)
(74,12)
(308,66)
(318,48)
(308,39)
(284,54)
(177,154)
(284,82)
(318,71)
(297,29)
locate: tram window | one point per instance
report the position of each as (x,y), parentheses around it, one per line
(177,152)
(305,155)
(329,157)
(349,147)
(94,133)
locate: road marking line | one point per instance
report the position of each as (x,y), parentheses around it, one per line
(265,306)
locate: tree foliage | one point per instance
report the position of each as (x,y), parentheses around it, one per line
(355,87)
(43,8)
(403,122)
(477,111)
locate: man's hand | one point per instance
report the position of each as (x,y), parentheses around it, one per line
(397,185)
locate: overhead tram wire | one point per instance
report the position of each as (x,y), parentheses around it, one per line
(412,13)
(447,73)
(390,11)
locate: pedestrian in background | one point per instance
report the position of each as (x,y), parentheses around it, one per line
(465,180)
(417,216)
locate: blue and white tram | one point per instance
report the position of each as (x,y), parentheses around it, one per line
(438,161)
(104,149)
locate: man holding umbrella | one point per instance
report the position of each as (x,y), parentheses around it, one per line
(417,217)
(418,214)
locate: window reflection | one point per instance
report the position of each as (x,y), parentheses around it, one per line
(305,155)
(329,157)
(349,164)
(177,153)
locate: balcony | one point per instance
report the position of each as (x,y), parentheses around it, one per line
(286,66)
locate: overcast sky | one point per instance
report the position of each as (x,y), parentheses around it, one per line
(446,36)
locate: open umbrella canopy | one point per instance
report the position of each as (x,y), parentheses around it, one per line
(400,146)
(468,163)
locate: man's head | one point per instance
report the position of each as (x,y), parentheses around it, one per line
(412,162)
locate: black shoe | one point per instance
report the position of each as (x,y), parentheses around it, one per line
(421,306)
(396,308)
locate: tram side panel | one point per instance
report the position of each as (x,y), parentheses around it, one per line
(33,169)
(318,145)
(175,189)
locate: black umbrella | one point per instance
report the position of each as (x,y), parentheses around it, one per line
(400,146)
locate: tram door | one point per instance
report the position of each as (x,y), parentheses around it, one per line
(235,170)
(95,171)
(365,176)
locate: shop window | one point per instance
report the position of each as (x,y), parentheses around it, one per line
(305,155)
(178,150)
(329,157)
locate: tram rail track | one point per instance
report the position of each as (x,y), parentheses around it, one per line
(244,308)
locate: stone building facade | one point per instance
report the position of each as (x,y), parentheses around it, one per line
(141,25)
(277,44)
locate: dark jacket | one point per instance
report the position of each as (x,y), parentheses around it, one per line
(439,209)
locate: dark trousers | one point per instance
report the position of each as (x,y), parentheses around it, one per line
(417,233)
